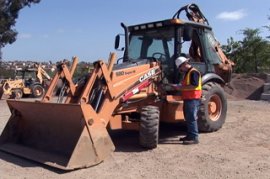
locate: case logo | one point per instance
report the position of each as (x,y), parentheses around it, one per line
(147,75)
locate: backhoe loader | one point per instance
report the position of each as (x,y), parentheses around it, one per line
(27,82)
(71,131)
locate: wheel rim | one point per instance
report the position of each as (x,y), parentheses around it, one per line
(19,94)
(38,91)
(214,107)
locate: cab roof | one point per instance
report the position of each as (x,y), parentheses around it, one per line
(166,23)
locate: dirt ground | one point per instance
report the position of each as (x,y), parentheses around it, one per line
(240,149)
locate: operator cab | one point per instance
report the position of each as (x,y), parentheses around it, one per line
(27,75)
(166,40)
(163,41)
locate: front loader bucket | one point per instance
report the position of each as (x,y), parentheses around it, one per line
(65,136)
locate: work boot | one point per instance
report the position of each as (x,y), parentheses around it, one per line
(190,141)
(183,138)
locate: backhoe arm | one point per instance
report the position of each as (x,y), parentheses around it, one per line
(194,14)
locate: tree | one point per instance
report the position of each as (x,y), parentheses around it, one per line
(268,27)
(9,11)
(82,69)
(250,54)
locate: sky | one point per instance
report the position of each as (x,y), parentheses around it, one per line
(56,30)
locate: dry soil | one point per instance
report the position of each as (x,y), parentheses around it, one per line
(240,149)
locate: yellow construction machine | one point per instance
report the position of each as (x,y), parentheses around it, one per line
(27,82)
(72,131)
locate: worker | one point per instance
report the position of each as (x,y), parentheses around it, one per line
(191,91)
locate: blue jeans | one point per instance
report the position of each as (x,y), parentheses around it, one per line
(190,110)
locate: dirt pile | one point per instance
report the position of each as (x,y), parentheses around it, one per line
(245,86)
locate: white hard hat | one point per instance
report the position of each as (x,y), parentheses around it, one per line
(180,60)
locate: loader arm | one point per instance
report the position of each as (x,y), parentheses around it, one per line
(64,74)
(104,81)
(105,89)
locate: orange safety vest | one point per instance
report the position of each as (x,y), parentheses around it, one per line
(195,93)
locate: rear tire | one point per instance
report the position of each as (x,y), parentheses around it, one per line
(213,109)
(37,91)
(149,127)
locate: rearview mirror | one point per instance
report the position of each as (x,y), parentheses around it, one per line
(117,43)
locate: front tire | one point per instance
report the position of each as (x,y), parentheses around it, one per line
(17,94)
(213,109)
(149,127)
